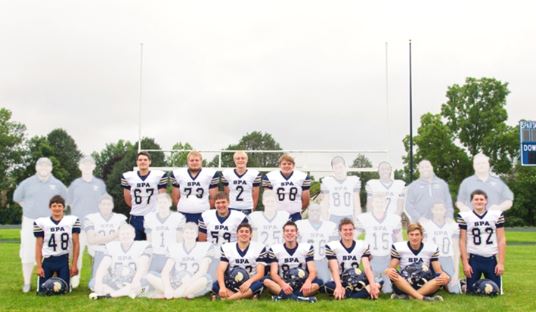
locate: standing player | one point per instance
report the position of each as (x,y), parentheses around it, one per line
(33,195)
(318,233)
(101,228)
(219,226)
(194,187)
(245,254)
(163,227)
(83,198)
(288,256)
(425,191)
(54,237)
(345,254)
(291,187)
(443,231)
(381,230)
(140,189)
(411,252)
(341,192)
(482,241)
(267,224)
(185,274)
(393,190)
(500,197)
(242,184)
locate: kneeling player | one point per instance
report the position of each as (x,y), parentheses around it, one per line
(343,257)
(411,252)
(125,262)
(57,231)
(288,257)
(245,254)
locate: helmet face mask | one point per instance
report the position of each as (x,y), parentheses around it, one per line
(353,279)
(417,274)
(295,277)
(54,286)
(235,277)
(486,287)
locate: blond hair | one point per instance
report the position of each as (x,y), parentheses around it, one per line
(286,157)
(194,154)
(415,227)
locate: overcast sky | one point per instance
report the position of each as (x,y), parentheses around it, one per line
(311,73)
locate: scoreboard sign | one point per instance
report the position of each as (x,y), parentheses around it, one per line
(527,133)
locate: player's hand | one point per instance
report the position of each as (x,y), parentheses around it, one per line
(245,286)
(499,269)
(40,271)
(74,270)
(443,278)
(306,287)
(374,290)
(467,270)
(339,292)
(287,289)
(391,273)
(224,292)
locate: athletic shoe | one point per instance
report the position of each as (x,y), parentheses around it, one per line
(277,298)
(95,296)
(311,299)
(433,298)
(397,296)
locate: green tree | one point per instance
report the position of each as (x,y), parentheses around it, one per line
(66,153)
(178,159)
(11,153)
(255,140)
(522,181)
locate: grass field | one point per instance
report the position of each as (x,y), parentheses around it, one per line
(518,282)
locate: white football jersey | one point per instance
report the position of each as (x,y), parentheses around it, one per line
(220,230)
(403,252)
(347,257)
(442,236)
(288,189)
(105,227)
(163,231)
(123,266)
(247,259)
(481,231)
(268,231)
(291,258)
(194,190)
(393,192)
(143,190)
(190,260)
(317,235)
(241,187)
(341,194)
(379,234)
(57,236)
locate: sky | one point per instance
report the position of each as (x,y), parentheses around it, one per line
(315,74)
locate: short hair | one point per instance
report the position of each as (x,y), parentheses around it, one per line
(415,227)
(194,154)
(221,195)
(344,222)
(286,157)
(290,223)
(240,153)
(56,199)
(479,192)
(244,225)
(146,154)
(43,161)
(337,160)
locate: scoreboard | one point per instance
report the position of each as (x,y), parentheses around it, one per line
(527,134)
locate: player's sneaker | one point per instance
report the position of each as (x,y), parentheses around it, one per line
(401,296)
(26,288)
(433,298)
(95,296)
(310,299)
(277,298)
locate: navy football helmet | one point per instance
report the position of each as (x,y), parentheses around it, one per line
(295,277)
(486,287)
(235,277)
(417,274)
(54,286)
(353,279)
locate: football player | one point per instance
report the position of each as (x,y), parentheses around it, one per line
(340,192)
(140,189)
(33,195)
(381,230)
(443,231)
(393,190)
(482,241)
(185,274)
(219,226)
(54,237)
(242,184)
(125,262)
(287,256)
(500,197)
(245,254)
(83,198)
(406,253)
(194,187)
(267,224)
(291,187)
(346,254)
(101,228)
(318,233)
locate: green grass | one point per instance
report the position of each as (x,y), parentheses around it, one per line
(518,287)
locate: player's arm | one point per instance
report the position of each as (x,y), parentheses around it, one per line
(76,253)
(306,195)
(126,191)
(39,256)
(311,267)
(255,195)
(333,265)
(213,189)
(175,189)
(395,261)
(374,288)
(501,245)
(163,183)
(222,267)
(274,275)
(202,236)
(463,252)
